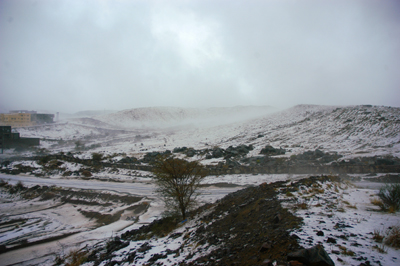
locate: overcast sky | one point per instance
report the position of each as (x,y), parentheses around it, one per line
(76,55)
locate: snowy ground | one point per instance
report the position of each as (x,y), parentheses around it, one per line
(341,217)
(351,131)
(342,211)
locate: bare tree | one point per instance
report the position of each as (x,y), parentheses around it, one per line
(177,182)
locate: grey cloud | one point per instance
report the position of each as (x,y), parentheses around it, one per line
(78,55)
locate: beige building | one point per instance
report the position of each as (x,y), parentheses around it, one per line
(16,120)
(25,118)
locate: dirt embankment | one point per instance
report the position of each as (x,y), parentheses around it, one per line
(247,227)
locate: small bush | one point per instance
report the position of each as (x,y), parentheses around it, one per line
(289,194)
(381,249)
(74,258)
(44,160)
(86,173)
(54,164)
(17,187)
(378,202)
(302,206)
(377,236)
(3,183)
(345,251)
(393,237)
(390,196)
(341,209)
(97,156)
(352,206)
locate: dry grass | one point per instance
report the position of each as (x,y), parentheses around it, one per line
(341,209)
(289,194)
(352,206)
(73,258)
(378,236)
(393,236)
(381,249)
(302,206)
(392,209)
(377,202)
(345,251)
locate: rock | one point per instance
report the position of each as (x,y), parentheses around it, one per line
(128,160)
(217,152)
(190,152)
(318,153)
(145,247)
(156,257)
(265,247)
(295,236)
(209,156)
(175,235)
(269,150)
(331,240)
(320,233)
(267,262)
(315,256)
(179,149)
(277,218)
(295,263)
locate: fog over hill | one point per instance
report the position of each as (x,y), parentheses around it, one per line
(161,117)
(361,129)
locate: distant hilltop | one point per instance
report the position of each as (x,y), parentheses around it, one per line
(174,116)
(24,118)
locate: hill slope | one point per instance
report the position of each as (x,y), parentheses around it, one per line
(352,128)
(160,117)
(349,130)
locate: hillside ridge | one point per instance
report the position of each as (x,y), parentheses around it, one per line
(168,116)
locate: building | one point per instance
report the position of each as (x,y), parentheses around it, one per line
(24,118)
(42,118)
(9,139)
(16,119)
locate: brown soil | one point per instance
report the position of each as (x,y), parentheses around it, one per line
(248,227)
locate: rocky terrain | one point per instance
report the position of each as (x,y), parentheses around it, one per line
(258,226)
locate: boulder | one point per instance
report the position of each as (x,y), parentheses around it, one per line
(315,256)
(179,149)
(269,150)
(217,152)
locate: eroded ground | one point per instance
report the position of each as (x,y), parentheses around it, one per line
(46,216)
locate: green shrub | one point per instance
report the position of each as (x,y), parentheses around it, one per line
(390,196)
(97,156)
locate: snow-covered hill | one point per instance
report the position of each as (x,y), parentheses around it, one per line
(349,130)
(161,117)
(358,129)
(361,130)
